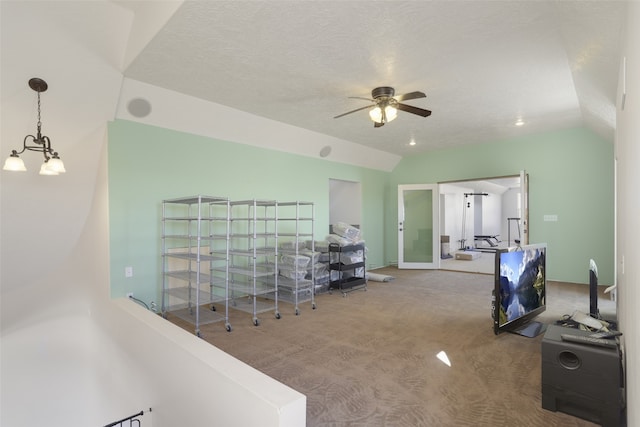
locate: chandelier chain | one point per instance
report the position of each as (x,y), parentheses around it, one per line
(39,121)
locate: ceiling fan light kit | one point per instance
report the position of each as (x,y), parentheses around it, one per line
(380,115)
(386,105)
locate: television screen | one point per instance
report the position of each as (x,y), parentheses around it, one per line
(519,294)
(593,289)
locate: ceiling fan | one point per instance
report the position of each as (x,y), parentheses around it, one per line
(386,105)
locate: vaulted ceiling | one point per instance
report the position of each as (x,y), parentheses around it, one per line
(483,65)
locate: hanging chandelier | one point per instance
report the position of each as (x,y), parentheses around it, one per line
(52,164)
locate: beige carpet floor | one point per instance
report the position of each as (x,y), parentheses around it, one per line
(369,359)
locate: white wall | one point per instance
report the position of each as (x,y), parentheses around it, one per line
(510,209)
(345,203)
(491,214)
(478,214)
(93,368)
(628,212)
(54,379)
(189,382)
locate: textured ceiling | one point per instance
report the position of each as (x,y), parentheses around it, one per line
(482,64)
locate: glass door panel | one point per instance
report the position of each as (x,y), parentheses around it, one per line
(418,235)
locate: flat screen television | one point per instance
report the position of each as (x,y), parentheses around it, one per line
(520,289)
(594,310)
(593,290)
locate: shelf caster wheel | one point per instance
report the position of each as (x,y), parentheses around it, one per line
(213,308)
(313,306)
(278,315)
(256,322)
(198,334)
(228,327)
(297,312)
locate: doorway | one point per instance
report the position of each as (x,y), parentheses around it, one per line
(480,216)
(418,245)
(345,203)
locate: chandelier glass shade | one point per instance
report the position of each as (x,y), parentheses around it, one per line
(52,164)
(14,163)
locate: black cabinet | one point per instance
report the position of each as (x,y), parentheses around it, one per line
(347,267)
(583,380)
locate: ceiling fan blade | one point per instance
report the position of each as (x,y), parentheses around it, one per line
(360,97)
(353,111)
(410,95)
(415,110)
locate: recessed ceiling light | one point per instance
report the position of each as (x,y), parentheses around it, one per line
(412,142)
(519,122)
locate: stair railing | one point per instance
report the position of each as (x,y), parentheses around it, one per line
(133,420)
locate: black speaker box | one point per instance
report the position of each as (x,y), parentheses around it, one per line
(583,380)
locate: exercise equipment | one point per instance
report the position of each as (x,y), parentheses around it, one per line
(465,205)
(492,240)
(517,241)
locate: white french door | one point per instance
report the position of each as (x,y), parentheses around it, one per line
(524,207)
(418,221)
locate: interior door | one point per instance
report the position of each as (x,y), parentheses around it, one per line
(418,233)
(524,207)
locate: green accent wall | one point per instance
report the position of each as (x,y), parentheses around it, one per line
(571,175)
(148,164)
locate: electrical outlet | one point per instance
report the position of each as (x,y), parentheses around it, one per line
(129,294)
(128,272)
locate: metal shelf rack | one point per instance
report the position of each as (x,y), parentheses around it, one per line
(253,257)
(349,274)
(195,235)
(296,268)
